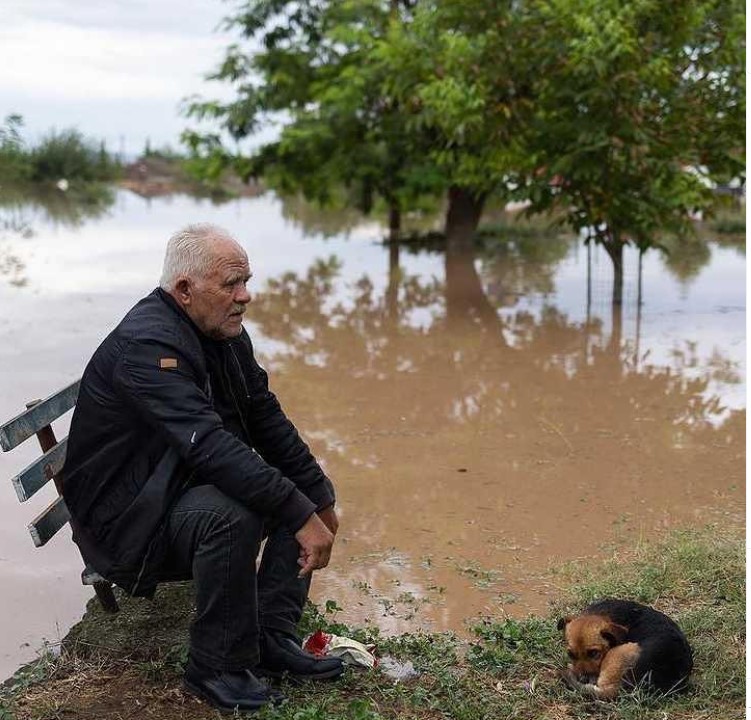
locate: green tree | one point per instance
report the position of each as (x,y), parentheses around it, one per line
(314,62)
(396,100)
(14,165)
(639,107)
(454,71)
(614,116)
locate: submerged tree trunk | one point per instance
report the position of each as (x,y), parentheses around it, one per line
(395,222)
(392,290)
(639,302)
(614,247)
(395,232)
(616,333)
(463,216)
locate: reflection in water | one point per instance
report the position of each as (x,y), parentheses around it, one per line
(11,266)
(315,220)
(23,208)
(685,257)
(522,261)
(488,440)
(341,218)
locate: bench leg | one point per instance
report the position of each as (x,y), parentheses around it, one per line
(106,597)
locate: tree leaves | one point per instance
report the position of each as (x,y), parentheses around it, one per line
(617,114)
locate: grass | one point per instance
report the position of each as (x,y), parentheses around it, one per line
(129,665)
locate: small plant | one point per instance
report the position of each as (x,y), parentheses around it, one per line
(503,645)
(31,674)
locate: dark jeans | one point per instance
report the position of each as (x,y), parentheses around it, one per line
(216,541)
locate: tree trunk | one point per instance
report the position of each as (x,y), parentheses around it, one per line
(614,247)
(616,333)
(463,216)
(395,222)
(589,281)
(392,290)
(639,302)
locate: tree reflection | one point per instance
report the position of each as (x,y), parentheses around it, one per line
(22,208)
(340,217)
(685,257)
(314,219)
(461,423)
(479,367)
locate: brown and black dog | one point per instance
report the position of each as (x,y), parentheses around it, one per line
(619,643)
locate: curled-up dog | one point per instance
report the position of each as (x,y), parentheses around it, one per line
(616,644)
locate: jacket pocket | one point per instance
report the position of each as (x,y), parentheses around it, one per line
(131,532)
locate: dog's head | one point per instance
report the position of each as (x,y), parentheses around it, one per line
(588,640)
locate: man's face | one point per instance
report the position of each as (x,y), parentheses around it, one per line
(216,302)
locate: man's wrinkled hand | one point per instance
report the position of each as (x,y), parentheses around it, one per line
(316,541)
(330,519)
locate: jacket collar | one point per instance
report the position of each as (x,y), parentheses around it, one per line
(168,300)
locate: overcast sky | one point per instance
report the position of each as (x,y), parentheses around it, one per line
(115,69)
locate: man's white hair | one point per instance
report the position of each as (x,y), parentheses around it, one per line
(190,252)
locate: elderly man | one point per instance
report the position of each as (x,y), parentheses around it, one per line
(181,461)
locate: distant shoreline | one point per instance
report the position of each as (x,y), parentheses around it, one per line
(156,176)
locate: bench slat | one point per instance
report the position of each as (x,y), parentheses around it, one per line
(48,522)
(23,426)
(40,472)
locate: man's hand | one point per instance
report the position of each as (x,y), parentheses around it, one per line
(315,541)
(330,519)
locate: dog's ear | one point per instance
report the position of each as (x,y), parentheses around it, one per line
(564,621)
(614,634)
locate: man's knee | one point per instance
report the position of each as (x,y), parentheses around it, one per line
(216,515)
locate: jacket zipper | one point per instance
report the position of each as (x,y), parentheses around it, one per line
(232,392)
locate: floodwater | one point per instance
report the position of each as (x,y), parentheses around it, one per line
(485,418)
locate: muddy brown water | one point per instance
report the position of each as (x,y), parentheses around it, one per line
(486,418)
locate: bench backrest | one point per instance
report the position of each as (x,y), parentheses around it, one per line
(36,420)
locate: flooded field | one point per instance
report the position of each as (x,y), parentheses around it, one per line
(486,418)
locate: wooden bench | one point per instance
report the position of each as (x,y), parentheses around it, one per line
(37,420)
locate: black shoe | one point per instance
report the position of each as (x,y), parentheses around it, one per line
(282,655)
(229,691)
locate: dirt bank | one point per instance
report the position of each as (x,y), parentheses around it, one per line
(157,175)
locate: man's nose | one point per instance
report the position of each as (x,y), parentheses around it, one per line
(242,296)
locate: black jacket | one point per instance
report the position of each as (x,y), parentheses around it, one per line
(162,407)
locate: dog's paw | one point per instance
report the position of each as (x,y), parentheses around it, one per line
(567,675)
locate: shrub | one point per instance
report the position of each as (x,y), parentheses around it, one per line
(67,154)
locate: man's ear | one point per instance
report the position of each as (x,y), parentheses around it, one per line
(182,291)
(564,621)
(614,634)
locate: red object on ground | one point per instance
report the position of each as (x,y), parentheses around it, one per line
(317,643)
